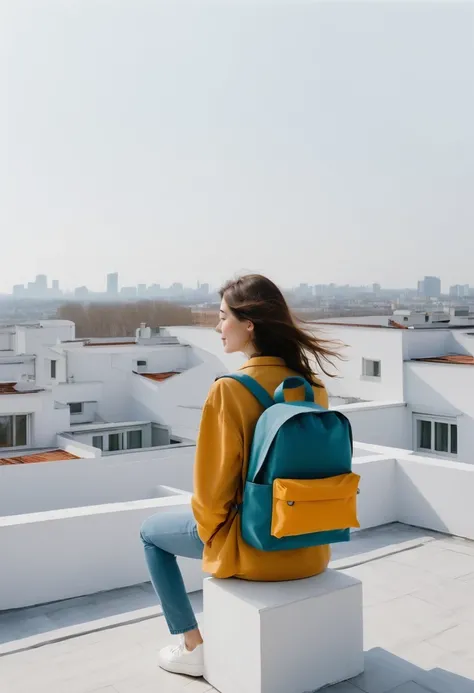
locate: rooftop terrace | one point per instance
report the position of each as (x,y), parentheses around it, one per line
(104,633)
(418,621)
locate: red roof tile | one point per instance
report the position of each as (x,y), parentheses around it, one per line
(99,344)
(397,325)
(158,377)
(456,359)
(8,389)
(356,324)
(51,456)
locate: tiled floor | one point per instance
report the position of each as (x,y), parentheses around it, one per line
(418,621)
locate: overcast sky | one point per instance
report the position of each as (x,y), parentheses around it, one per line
(174,141)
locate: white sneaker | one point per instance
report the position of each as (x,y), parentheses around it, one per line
(179,660)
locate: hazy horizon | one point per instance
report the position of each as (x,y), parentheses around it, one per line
(314,142)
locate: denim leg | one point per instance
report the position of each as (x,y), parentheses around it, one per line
(165,536)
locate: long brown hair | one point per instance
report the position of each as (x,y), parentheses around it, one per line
(276,332)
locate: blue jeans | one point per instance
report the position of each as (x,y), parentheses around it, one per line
(165,536)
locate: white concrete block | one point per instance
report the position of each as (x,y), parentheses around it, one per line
(282,637)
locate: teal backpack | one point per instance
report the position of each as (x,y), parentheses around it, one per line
(300,490)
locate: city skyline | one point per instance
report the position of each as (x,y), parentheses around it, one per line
(43,286)
(129,279)
(167,279)
(302,146)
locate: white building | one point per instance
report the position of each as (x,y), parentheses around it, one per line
(94,397)
(428,371)
(405,388)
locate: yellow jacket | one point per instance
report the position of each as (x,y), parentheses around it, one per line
(229,418)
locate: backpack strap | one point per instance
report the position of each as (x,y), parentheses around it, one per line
(292,382)
(254,387)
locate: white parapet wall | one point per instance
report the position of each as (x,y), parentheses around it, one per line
(60,554)
(421,491)
(70,444)
(381,423)
(82,550)
(34,488)
(436,494)
(376,502)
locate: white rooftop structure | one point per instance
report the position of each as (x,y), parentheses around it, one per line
(91,397)
(427,373)
(452,317)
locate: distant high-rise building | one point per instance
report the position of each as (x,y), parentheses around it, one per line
(112,283)
(320,289)
(431,287)
(154,290)
(376,288)
(19,290)
(55,285)
(81,292)
(459,291)
(41,284)
(128,291)
(303,291)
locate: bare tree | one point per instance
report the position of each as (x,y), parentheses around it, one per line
(206,318)
(122,319)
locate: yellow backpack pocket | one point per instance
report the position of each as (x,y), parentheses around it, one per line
(302,506)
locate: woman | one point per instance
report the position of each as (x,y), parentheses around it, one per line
(254,319)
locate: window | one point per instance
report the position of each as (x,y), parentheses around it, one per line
(436,436)
(134,440)
(424,435)
(76,407)
(98,442)
(123,440)
(115,442)
(14,430)
(142,364)
(21,429)
(53,370)
(371,369)
(454,440)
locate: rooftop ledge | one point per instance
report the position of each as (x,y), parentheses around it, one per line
(367,406)
(175,499)
(396,486)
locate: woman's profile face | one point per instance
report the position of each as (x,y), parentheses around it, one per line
(236,335)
